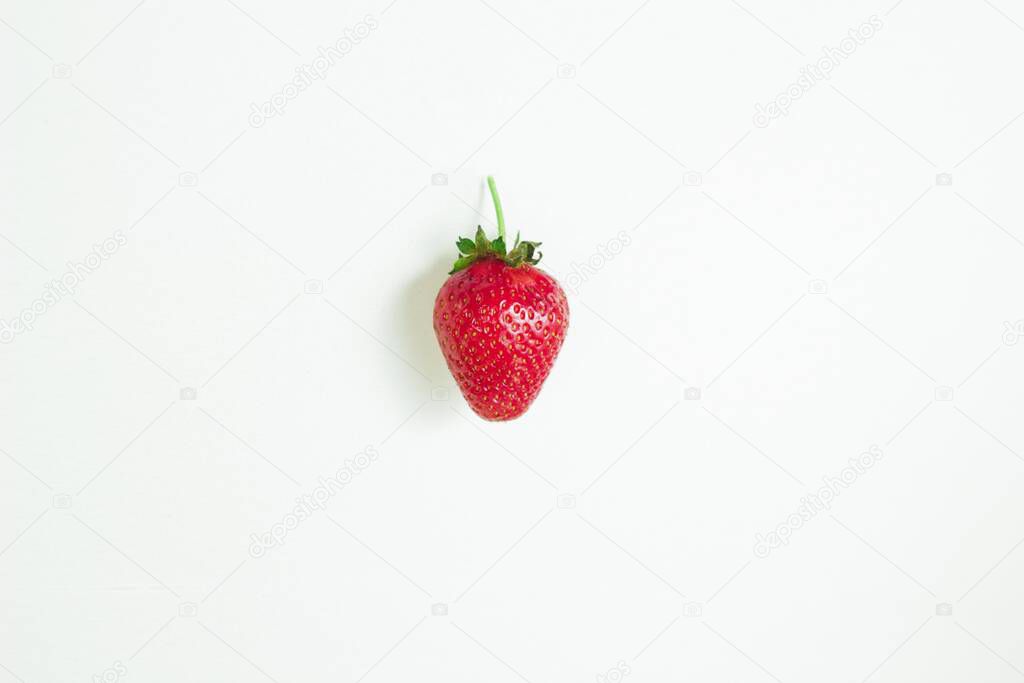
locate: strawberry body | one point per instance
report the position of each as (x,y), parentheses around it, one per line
(500,328)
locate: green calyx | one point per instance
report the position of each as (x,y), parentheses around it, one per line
(478,248)
(471,251)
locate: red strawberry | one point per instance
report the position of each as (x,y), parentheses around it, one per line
(500,322)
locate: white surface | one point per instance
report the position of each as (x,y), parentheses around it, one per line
(809,277)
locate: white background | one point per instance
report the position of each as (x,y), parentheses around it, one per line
(814,280)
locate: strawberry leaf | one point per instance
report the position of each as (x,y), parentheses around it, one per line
(461,263)
(483,245)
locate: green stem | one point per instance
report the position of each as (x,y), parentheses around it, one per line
(497,207)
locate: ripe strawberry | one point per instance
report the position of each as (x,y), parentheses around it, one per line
(500,322)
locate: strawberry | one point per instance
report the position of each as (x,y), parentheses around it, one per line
(500,322)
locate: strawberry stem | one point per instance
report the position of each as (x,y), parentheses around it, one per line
(497,206)
(472,250)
